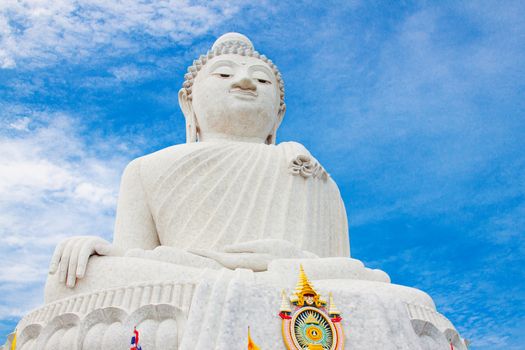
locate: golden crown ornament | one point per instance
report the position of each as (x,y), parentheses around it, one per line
(307,322)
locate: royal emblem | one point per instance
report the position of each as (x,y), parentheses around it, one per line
(307,324)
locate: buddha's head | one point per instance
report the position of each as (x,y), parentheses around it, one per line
(233,93)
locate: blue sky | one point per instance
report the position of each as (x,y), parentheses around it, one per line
(416,109)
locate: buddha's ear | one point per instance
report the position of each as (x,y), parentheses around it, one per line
(280,115)
(191,121)
(272,138)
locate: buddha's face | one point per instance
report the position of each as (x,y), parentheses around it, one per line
(236,96)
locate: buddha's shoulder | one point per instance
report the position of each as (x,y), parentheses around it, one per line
(157,161)
(176,152)
(293,147)
(170,154)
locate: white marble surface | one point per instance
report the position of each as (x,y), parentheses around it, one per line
(210,309)
(208,233)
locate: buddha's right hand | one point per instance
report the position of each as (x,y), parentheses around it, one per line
(72,256)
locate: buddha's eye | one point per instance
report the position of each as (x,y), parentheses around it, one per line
(263,81)
(223,75)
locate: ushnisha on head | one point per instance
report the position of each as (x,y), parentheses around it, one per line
(232,93)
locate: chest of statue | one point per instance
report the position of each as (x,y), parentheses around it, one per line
(223,193)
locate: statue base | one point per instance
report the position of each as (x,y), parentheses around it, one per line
(212,309)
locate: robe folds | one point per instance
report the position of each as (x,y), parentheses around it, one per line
(207,195)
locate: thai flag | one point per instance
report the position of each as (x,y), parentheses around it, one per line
(135,340)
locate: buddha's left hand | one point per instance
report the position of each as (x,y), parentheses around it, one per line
(254,255)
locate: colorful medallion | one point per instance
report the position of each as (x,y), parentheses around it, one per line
(306,322)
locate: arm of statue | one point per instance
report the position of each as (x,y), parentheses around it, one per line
(255,255)
(135,236)
(134,229)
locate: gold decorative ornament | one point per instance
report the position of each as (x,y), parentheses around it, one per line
(307,324)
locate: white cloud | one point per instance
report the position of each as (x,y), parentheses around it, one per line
(21,124)
(47,31)
(37,165)
(422,122)
(54,183)
(20,273)
(129,73)
(94,193)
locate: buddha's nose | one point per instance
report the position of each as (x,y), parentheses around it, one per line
(245,83)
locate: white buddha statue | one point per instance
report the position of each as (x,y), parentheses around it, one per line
(209,232)
(229,196)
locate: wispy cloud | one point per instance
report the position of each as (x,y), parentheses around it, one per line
(54,183)
(37,33)
(422,115)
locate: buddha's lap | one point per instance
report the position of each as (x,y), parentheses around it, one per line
(107,272)
(338,275)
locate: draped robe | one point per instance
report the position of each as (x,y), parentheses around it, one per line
(210,194)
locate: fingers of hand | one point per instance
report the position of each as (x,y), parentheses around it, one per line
(205,253)
(85,251)
(102,247)
(224,259)
(245,247)
(276,247)
(72,265)
(55,260)
(71,256)
(64,261)
(252,261)
(260,246)
(255,262)
(202,261)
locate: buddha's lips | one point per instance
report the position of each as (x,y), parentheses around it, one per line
(243,92)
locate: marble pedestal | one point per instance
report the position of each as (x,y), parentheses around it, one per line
(211,309)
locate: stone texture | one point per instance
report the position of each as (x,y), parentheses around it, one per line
(210,232)
(214,310)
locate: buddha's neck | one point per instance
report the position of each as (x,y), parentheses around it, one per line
(219,137)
